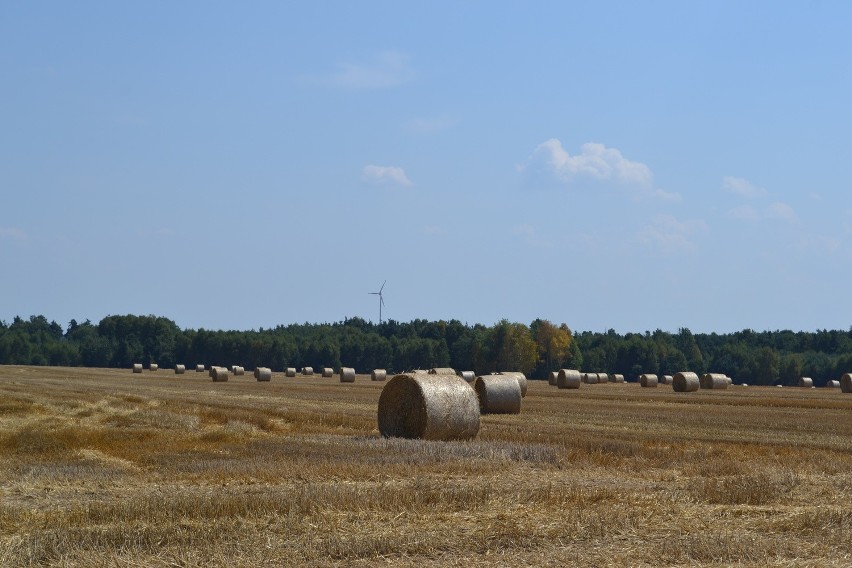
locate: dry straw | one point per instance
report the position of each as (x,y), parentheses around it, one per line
(846,382)
(685,382)
(442,371)
(616,378)
(220,374)
(498,394)
(153,367)
(420,372)
(522,380)
(713,381)
(308,371)
(806,382)
(568,379)
(199,368)
(378,375)
(290,372)
(649,381)
(468,376)
(263,374)
(238,371)
(137,367)
(429,407)
(327,372)
(551,378)
(347,375)
(180,369)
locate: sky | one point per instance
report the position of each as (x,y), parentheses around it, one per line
(610,165)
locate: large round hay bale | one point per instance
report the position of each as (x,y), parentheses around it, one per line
(211,371)
(648,380)
(551,378)
(522,380)
(468,376)
(568,379)
(180,369)
(730,381)
(137,367)
(347,375)
(806,382)
(199,368)
(603,377)
(429,407)
(833,384)
(442,371)
(263,374)
(290,372)
(846,382)
(308,371)
(220,374)
(590,378)
(238,370)
(498,394)
(327,372)
(685,382)
(665,379)
(615,378)
(153,367)
(378,375)
(713,381)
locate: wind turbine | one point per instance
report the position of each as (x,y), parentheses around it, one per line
(381,299)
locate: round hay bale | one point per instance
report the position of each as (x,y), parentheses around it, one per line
(713,381)
(153,367)
(263,374)
(833,384)
(137,367)
(665,380)
(468,376)
(568,379)
(378,375)
(180,369)
(685,382)
(238,370)
(806,382)
(590,378)
(498,394)
(616,378)
(347,375)
(428,407)
(522,380)
(442,371)
(730,381)
(603,378)
(551,378)
(648,380)
(308,371)
(220,374)
(199,368)
(846,382)
(327,372)
(211,371)
(290,372)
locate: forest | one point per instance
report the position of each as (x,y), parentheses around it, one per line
(760,358)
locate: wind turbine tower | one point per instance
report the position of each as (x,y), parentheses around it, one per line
(381,299)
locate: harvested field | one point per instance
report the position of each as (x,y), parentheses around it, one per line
(102,468)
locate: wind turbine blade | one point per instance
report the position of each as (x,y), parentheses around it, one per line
(382,300)
(383,286)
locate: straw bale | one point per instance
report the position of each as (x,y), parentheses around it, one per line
(327,372)
(648,380)
(199,368)
(238,370)
(590,378)
(551,377)
(806,382)
(153,367)
(290,372)
(347,375)
(665,380)
(442,371)
(180,369)
(833,384)
(522,380)
(616,378)
(685,382)
(429,407)
(713,381)
(220,374)
(568,379)
(420,372)
(846,382)
(498,394)
(308,371)
(468,376)
(263,374)
(378,375)
(603,378)
(137,367)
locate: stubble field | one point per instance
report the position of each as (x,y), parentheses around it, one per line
(101,467)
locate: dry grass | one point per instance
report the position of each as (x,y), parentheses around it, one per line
(107,468)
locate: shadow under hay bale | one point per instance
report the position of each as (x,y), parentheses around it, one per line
(220,374)
(347,375)
(429,407)
(180,369)
(648,381)
(263,374)
(685,381)
(713,381)
(522,380)
(137,367)
(498,394)
(568,379)
(378,375)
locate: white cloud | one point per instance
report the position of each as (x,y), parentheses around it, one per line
(742,187)
(385,175)
(594,161)
(12,233)
(387,69)
(667,196)
(778,211)
(781,211)
(672,235)
(744,213)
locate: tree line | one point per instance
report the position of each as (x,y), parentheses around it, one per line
(764,358)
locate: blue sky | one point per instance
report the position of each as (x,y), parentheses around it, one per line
(626,165)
